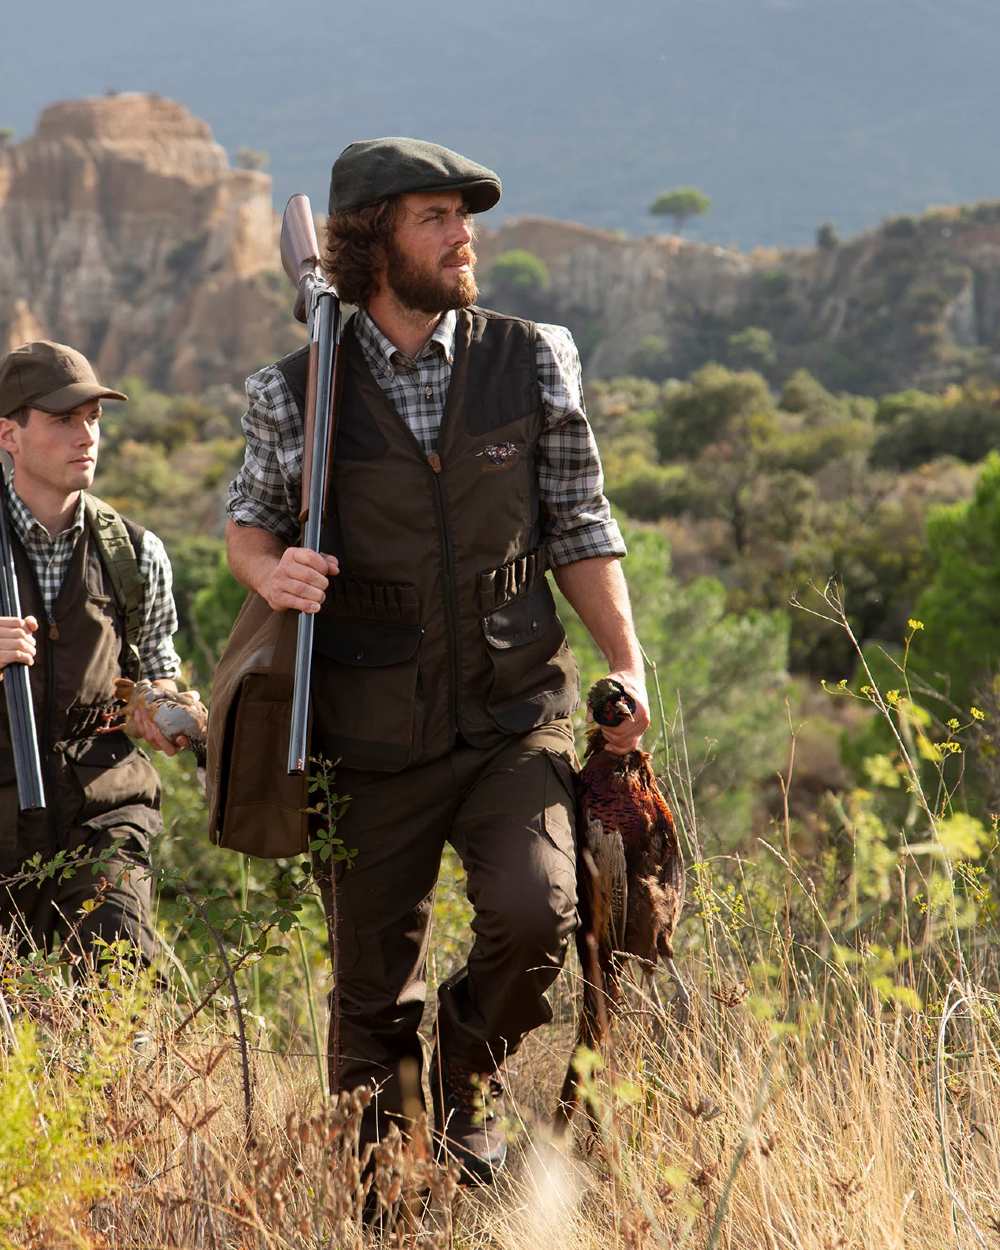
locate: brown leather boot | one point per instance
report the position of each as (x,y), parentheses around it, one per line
(468,1116)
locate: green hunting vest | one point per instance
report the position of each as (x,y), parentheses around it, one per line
(441,625)
(89,779)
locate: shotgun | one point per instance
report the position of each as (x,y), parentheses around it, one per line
(318,305)
(17,688)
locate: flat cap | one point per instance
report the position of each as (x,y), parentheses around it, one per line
(374,169)
(49,376)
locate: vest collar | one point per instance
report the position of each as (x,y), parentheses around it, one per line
(463,331)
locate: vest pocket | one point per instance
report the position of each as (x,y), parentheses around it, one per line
(366,686)
(534,673)
(367,644)
(113,773)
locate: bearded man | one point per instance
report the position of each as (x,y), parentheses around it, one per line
(442,682)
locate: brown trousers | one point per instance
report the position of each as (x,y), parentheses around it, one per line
(36,912)
(509,813)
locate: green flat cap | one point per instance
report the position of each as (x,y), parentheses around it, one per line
(374,169)
(49,376)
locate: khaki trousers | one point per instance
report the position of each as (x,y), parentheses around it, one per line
(509,813)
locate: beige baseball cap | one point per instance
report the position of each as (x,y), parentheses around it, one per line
(49,376)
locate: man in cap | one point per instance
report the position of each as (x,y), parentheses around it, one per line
(443,684)
(95,590)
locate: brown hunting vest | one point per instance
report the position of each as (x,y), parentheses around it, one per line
(441,624)
(88,779)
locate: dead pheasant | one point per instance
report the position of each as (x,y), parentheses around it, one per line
(630,874)
(176,715)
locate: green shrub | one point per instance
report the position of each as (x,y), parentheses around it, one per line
(52,1165)
(652,491)
(915,427)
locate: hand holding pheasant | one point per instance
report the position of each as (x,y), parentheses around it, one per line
(630,870)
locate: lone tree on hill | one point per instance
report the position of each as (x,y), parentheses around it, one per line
(250,158)
(826,237)
(680,205)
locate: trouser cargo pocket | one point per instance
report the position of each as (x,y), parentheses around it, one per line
(113,774)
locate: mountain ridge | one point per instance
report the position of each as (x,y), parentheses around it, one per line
(124,229)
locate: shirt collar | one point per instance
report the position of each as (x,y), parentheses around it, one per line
(27,524)
(382,352)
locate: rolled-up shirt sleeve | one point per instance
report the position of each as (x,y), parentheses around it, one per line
(265,491)
(576,517)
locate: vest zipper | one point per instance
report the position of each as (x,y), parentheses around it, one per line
(450,609)
(433,461)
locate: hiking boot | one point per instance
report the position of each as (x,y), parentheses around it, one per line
(468,1115)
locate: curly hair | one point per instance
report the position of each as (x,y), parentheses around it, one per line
(356,248)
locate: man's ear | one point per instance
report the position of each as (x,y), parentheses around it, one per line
(9,436)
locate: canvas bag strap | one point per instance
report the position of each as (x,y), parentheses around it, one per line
(122,565)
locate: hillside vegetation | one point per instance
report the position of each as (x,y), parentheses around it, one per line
(742,504)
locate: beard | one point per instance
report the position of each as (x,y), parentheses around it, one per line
(427,290)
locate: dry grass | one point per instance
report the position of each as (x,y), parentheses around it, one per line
(837,1086)
(816,1121)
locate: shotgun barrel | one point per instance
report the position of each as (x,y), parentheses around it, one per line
(17,688)
(318,305)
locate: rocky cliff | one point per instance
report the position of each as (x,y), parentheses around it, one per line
(916,302)
(124,231)
(617,292)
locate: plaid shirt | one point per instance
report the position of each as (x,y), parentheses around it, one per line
(576,517)
(49,558)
